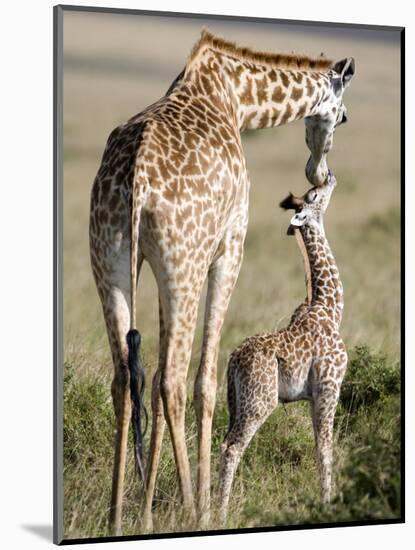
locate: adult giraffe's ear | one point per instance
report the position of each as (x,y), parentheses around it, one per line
(345,68)
(292,203)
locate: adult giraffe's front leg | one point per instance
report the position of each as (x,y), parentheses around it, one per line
(222,277)
(113,286)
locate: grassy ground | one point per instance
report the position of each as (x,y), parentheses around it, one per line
(277,481)
(114,68)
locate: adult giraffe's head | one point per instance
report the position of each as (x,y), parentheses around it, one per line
(330,112)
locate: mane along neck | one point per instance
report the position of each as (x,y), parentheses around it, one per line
(277,61)
(264,90)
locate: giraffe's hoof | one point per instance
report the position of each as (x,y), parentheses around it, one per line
(114,526)
(147,526)
(115,531)
(204,520)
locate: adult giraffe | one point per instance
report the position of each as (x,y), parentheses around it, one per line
(173,189)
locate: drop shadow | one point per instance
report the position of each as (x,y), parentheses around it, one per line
(44,532)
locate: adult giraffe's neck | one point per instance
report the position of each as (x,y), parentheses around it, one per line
(326,286)
(262,94)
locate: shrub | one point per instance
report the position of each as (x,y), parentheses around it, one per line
(373,473)
(369,377)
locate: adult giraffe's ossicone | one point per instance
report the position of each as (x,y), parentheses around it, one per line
(173,189)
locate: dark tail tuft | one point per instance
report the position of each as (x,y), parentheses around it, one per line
(137,392)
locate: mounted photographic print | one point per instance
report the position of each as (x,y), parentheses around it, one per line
(228,285)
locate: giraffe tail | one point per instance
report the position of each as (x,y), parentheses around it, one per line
(137,381)
(137,384)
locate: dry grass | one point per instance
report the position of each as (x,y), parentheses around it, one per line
(115,66)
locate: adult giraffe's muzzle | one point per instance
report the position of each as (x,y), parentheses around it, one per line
(317,171)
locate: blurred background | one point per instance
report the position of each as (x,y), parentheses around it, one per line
(114,66)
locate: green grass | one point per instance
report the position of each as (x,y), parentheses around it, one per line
(277,481)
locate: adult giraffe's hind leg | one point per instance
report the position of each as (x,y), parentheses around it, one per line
(157,430)
(223,274)
(122,408)
(113,284)
(179,313)
(116,314)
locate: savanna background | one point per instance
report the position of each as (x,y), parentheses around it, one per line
(114,66)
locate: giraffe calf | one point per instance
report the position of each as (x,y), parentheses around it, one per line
(305,361)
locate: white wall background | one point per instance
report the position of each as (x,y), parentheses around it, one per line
(26,270)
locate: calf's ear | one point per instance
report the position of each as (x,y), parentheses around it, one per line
(291,202)
(299,219)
